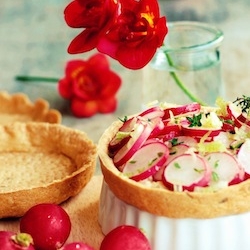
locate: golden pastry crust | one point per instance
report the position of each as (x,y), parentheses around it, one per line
(42,162)
(159,201)
(18,107)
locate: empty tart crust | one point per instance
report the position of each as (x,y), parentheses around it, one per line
(18,107)
(162,202)
(42,162)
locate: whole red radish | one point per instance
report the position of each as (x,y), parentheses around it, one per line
(12,241)
(48,224)
(125,237)
(77,246)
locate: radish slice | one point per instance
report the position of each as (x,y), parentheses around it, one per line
(234,112)
(146,161)
(242,118)
(173,153)
(138,136)
(168,132)
(122,136)
(225,168)
(199,132)
(243,156)
(182,110)
(186,140)
(152,113)
(187,171)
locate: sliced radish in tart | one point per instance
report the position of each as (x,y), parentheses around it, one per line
(152,113)
(146,161)
(186,140)
(243,156)
(182,110)
(244,119)
(199,132)
(138,136)
(167,132)
(225,168)
(186,171)
(234,112)
(174,152)
(158,127)
(122,136)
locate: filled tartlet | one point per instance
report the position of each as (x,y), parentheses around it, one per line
(177,172)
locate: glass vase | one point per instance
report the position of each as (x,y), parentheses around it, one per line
(187,68)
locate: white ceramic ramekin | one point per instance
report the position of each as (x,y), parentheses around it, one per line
(224,233)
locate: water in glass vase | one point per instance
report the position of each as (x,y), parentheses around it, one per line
(187,68)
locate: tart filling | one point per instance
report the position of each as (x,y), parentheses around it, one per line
(181,161)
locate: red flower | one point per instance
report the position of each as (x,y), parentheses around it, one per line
(136,34)
(90,86)
(129,31)
(93,15)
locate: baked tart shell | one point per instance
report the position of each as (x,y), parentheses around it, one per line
(42,163)
(18,107)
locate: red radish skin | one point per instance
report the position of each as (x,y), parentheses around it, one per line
(167,132)
(12,241)
(243,156)
(146,161)
(48,224)
(77,246)
(117,143)
(125,237)
(199,132)
(152,113)
(191,108)
(138,137)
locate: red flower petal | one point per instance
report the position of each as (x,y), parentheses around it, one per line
(93,15)
(85,41)
(111,84)
(107,105)
(64,88)
(136,35)
(100,61)
(81,108)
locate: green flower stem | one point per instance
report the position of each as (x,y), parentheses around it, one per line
(178,81)
(36,79)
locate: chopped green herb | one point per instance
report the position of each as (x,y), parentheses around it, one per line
(229,121)
(124,119)
(152,161)
(120,135)
(244,103)
(175,142)
(215,176)
(216,164)
(177,165)
(198,170)
(132,161)
(195,121)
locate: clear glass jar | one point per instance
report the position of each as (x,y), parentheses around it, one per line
(189,57)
